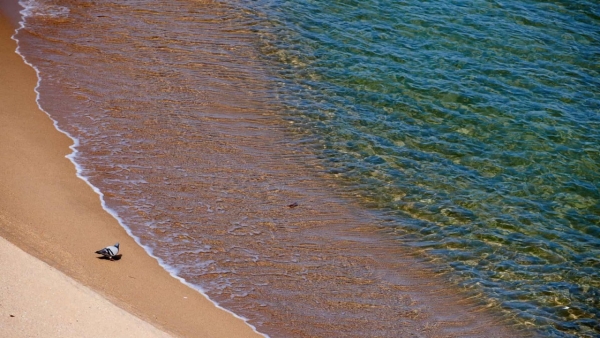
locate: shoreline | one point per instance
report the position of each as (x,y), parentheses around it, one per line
(58,211)
(51,214)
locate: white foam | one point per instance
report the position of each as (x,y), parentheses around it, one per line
(34,8)
(40,8)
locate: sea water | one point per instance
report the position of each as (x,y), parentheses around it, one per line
(286,157)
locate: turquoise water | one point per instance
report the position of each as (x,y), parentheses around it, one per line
(473,127)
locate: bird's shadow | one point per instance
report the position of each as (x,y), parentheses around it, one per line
(114,258)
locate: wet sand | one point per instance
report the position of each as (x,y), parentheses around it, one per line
(52,215)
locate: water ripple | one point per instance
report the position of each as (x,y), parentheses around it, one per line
(473,124)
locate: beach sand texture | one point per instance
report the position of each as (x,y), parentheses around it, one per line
(39,301)
(51,214)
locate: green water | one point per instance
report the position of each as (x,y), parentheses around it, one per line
(472,127)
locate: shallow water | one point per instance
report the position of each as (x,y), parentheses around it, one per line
(465,133)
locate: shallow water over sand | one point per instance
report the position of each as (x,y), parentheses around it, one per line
(302,167)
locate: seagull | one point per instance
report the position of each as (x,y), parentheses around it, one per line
(109,252)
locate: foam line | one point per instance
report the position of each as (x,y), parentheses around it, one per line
(28,7)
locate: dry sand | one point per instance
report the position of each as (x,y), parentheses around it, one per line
(37,300)
(51,214)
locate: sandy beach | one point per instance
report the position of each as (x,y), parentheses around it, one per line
(61,307)
(57,286)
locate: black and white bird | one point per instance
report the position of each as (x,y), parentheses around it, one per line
(109,252)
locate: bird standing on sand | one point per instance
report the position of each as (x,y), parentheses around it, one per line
(109,252)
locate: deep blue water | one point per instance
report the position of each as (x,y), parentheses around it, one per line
(472,127)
